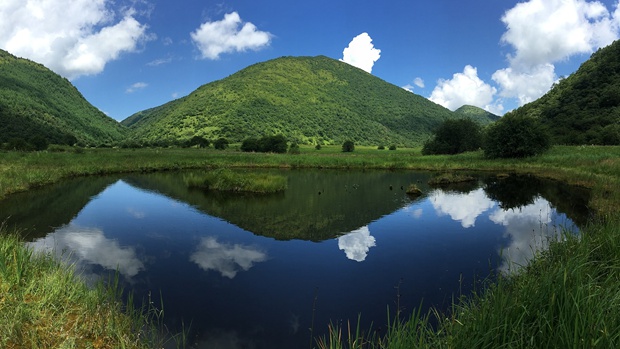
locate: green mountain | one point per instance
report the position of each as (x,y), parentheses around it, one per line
(34,101)
(307,99)
(584,108)
(479,115)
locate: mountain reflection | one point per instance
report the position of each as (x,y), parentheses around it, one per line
(464,208)
(357,243)
(226,259)
(87,247)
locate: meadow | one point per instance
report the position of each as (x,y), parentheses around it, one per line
(567,297)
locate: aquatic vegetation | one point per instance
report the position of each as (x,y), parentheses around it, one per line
(224,179)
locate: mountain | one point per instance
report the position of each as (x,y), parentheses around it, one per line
(584,108)
(34,101)
(479,115)
(307,99)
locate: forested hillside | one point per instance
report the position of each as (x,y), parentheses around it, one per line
(476,114)
(34,101)
(584,108)
(307,99)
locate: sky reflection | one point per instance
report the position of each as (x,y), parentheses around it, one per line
(464,208)
(89,246)
(226,259)
(357,243)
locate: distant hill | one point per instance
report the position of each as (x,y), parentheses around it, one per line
(34,101)
(479,115)
(307,99)
(584,108)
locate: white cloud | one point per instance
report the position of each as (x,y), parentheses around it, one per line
(464,88)
(227,36)
(464,208)
(226,259)
(525,84)
(137,86)
(356,244)
(543,32)
(418,82)
(361,53)
(89,246)
(71,37)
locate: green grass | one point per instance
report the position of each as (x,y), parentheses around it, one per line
(567,297)
(43,304)
(224,179)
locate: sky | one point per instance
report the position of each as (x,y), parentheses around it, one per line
(129,55)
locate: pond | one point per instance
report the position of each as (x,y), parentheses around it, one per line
(253,271)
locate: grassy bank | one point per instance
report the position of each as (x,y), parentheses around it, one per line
(43,304)
(568,297)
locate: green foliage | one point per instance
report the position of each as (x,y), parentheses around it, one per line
(306,99)
(583,108)
(392,147)
(515,136)
(454,137)
(35,102)
(381,147)
(348,146)
(237,181)
(294,149)
(198,141)
(220,143)
(317,147)
(266,144)
(478,115)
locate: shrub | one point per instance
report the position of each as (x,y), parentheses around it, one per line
(18,144)
(381,147)
(294,148)
(250,145)
(220,143)
(317,147)
(516,137)
(454,137)
(199,141)
(348,146)
(267,144)
(38,142)
(392,147)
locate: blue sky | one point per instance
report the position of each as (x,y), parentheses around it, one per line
(129,55)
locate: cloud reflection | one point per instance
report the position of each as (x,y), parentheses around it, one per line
(227,259)
(464,208)
(85,246)
(529,230)
(357,243)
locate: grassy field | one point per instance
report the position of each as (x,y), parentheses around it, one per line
(568,296)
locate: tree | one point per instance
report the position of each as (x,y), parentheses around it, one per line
(199,141)
(348,146)
(516,136)
(250,145)
(454,137)
(294,148)
(220,143)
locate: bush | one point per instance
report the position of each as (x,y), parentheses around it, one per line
(201,142)
(221,143)
(348,146)
(267,144)
(516,137)
(18,144)
(294,149)
(38,143)
(392,147)
(317,147)
(250,145)
(454,137)
(381,147)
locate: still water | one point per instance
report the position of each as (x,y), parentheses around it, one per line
(252,271)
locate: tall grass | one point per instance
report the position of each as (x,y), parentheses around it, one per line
(224,179)
(44,304)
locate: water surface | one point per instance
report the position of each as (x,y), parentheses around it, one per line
(247,270)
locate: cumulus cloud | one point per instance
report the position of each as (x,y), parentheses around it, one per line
(464,208)
(137,86)
(417,82)
(229,35)
(226,259)
(356,244)
(84,247)
(543,32)
(71,37)
(464,88)
(361,53)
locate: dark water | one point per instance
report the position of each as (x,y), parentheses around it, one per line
(247,270)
